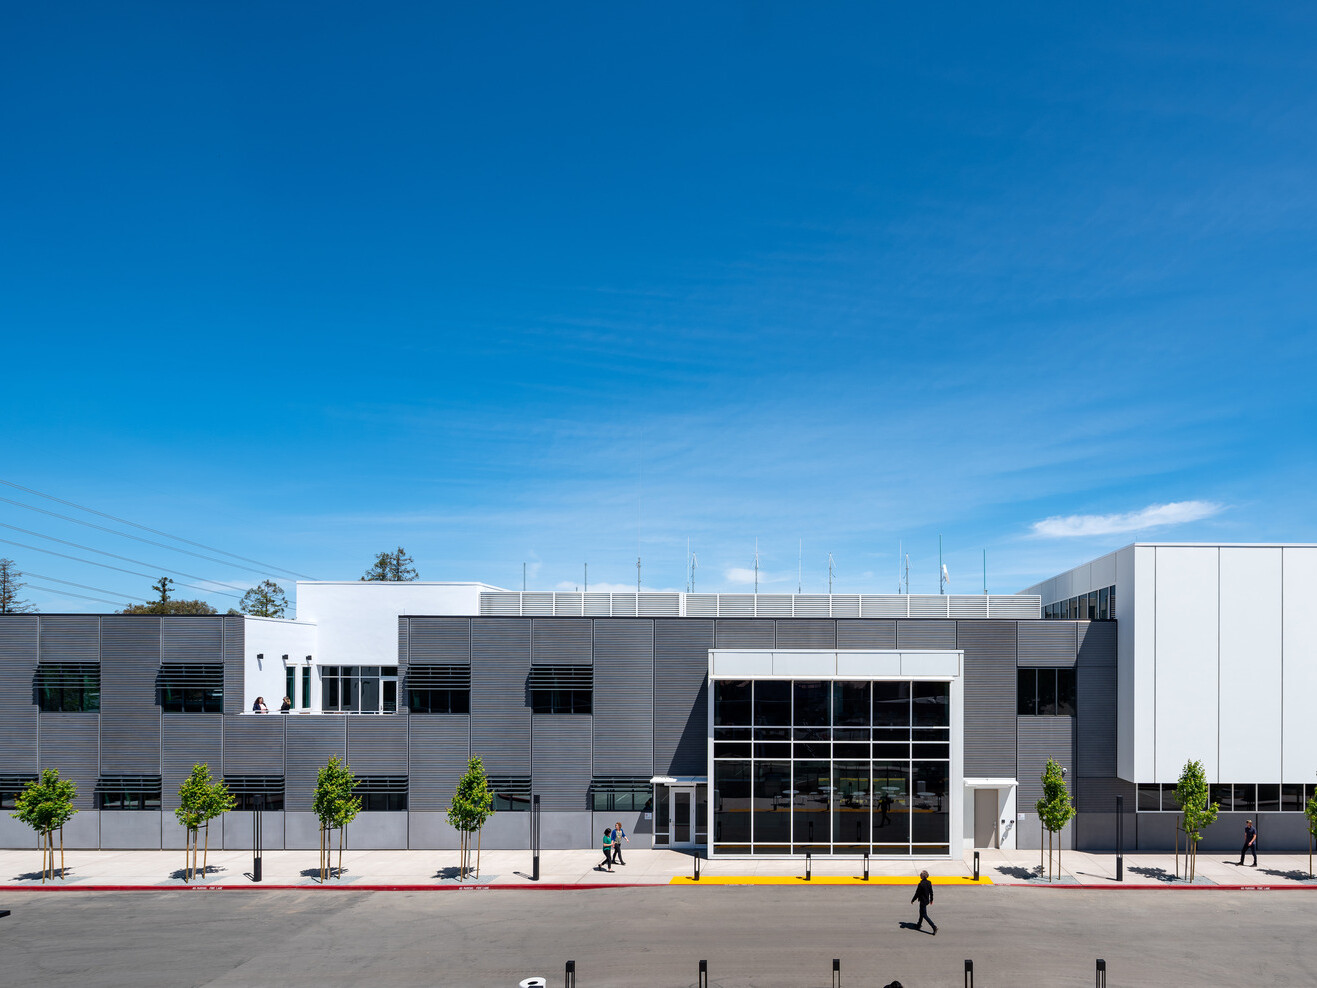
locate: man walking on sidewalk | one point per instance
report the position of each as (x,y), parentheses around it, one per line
(924,893)
(1250,843)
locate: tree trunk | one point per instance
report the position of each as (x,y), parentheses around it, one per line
(477,853)
(61,853)
(340,854)
(322,852)
(206,854)
(1041,849)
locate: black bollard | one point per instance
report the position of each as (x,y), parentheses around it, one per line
(866,866)
(1101,973)
(808,865)
(569,975)
(1120,838)
(696,860)
(535,838)
(976,866)
(257,858)
(703,981)
(969,974)
(836,972)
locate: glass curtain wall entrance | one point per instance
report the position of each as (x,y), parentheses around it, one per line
(831,767)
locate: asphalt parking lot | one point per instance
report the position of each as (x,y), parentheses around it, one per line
(751,936)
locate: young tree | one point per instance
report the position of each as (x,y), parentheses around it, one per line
(266,599)
(46,805)
(335,807)
(392,567)
(1310,811)
(1197,812)
(200,800)
(472,805)
(1055,809)
(10,584)
(165,605)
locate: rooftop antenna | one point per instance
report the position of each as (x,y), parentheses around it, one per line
(800,564)
(587,577)
(907,574)
(694,563)
(756,565)
(637,574)
(900,551)
(943,578)
(688,564)
(523,577)
(832,569)
(985,572)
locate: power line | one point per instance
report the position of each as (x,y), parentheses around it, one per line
(153,531)
(82,586)
(92,562)
(135,538)
(65,594)
(102,552)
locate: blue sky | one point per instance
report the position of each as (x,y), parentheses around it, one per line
(509,284)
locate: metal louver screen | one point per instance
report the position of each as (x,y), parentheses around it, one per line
(183,676)
(380,783)
(67,675)
(561,677)
(255,785)
(147,784)
(436,677)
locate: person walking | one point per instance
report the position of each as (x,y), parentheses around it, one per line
(1250,843)
(608,851)
(924,894)
(619,835)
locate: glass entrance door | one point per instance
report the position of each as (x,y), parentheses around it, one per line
(681,815)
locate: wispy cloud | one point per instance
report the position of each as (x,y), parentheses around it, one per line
(1153,516)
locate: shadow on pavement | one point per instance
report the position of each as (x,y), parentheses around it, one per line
(1023,874)
(199,873)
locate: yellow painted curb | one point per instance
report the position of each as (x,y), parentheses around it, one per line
(822,880)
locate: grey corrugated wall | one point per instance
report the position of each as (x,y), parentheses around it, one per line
(234,631)
(438,641)
(377,745)
(1047,643)
(1042,738)
(312,741)
(744,633)
(71,744)
(18,714)
(623,719)
(438,747)
(562,641)
(500,719)
(130,718)
(254,745)
(70,638)
(806,633)
(926,634)
(189,739)
(989,682)
(560,760)
(866,633)
(681,671)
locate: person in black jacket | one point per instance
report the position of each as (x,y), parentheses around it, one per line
(1250,843)
(924,893)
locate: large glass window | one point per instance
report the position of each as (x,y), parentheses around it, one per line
(561,689)
(626,793)
(439,689)
(511,792)
(191,688)
(359,689)
(68,687)
(832,767)
(382,793)
(1045,692)
(10,788)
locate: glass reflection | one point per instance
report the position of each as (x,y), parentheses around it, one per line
(773,796)
(930,816)
(811,704)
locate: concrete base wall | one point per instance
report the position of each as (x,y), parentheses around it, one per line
(1028,836)
(133,829)
(238,831)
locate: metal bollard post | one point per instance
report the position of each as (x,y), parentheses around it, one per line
(1120,839)
(257,859)
(696,860)
(866,866)
(1101,973)
(976,866)
(569,975)
(535,838)
(969,974)
(836,972)
(703,981)
(808,865)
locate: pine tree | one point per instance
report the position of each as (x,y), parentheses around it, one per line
(266,599)
(10,584)
(392,567)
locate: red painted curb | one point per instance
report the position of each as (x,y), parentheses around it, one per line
(558,887)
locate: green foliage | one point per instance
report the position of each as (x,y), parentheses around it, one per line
(1192,794)
(334,804)
(1310,811)
(1055,809)
(266,599)
(392,567)
(10,584)
(165,605)
(201,799)
(473,803)
(46,804)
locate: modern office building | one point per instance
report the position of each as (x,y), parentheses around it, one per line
(733,724)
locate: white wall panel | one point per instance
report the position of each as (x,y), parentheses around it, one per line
(1299,750)
(1250,664)
(1187,612)
(1136,664)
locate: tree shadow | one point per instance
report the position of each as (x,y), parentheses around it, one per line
(35,876)
(1015,872)
(1168,878)
(315,873)
(454,874)
(1294,874)
(198,873)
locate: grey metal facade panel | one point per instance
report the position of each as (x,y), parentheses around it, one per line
(866,633)
(681,695)
(926,633)
(990,687)
(1098,795)
(253,744)
(189,739)
(1047,643)
(439,746)
(18,712)
(1097,643)
(71,744)
(71,638)
(623,719)
(564,641)
(312,741)
(191,639)
(500,716)
(130,718)
(404,641)
(1095,700)
(377,745)
(440,641)
(806,633)
(560,767)
(1042,738)
(235,629)
(750,633)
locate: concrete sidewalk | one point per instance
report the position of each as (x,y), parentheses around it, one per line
(507,869)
